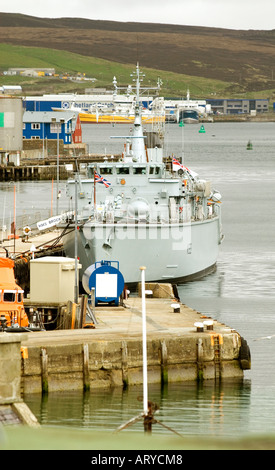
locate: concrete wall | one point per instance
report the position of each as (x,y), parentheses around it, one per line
(11,118)
(10,367)
(13,410)
(101,364)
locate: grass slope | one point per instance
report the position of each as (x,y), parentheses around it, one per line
(64,438)
(63,61)
(242,59)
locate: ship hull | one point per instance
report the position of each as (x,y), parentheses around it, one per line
(171,253)
(90,118)
(190,121)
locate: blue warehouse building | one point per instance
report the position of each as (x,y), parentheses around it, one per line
(49,125)
(41,104)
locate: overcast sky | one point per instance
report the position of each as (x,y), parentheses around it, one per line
(232,14)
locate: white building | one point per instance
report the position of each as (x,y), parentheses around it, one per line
(10,89)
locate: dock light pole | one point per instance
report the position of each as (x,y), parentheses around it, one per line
(149,408)
(59,130)
(57,170)
(76,291)
(181,124)
(144,343)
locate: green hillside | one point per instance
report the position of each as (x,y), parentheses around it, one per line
(66,62)
(209,61)
(173,84)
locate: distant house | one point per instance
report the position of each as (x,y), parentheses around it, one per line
(77,134)
(64,126)
(10,89)
(30,72)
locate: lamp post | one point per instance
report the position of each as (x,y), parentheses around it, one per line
(144,343)
(58,131)
(76,288)
(57,171)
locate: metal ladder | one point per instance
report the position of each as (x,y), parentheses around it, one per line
(217,357)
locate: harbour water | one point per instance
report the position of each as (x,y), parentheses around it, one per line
(241,293)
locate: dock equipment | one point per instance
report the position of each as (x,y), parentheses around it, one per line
(106,280)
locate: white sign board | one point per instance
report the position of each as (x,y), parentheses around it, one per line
(44,224)
(106,285)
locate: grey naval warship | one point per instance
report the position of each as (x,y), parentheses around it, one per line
(144,210)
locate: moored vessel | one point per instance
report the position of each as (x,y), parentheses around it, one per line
(145,210)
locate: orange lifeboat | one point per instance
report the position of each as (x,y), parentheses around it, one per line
(11,296)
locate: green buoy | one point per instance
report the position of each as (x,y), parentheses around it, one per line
(202,130)
(181,124)
(249,145)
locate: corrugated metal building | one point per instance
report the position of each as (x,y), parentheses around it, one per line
(238,106)
(40,104)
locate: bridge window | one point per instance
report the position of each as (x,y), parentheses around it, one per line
(140,170)
(124,170)
(106,171)
(154,170)
(9,296)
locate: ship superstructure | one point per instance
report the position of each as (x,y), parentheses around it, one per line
(145,210)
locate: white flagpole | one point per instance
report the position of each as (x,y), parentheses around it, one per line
(144,343)
(94,194)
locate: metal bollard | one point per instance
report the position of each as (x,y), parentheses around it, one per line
(176,308)
(199,327)
(209,324)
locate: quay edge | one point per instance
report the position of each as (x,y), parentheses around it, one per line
(111,354)
(13,410)
(45,169)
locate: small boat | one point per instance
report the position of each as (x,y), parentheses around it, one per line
(189,116)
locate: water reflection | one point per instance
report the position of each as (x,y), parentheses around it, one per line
(240,293)
(190,409)
(237,275)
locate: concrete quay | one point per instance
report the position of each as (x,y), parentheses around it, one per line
(23,245)
(13,410)
(180,347)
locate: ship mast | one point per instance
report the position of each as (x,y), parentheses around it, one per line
(138,152)
(138,145)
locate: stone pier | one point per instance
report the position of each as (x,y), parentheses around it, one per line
(182,345)
(13,410)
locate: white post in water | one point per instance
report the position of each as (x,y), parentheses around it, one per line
(144,342)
